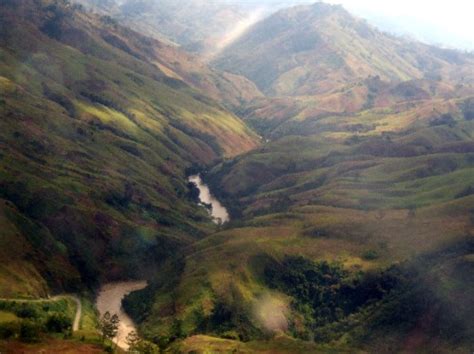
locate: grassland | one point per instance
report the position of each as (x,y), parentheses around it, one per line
(384,188)
(279,345)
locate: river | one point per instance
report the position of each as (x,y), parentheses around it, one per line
(218,211)
(111,295)
(110,299)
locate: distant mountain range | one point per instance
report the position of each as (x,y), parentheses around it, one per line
(319,48)
(189,23)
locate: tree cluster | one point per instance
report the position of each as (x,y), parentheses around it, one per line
(109,326)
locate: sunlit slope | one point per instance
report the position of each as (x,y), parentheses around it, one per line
(387,195)
(187,22)
(95,140)
(320,48)
(221,288)
(373,159)
(399,103)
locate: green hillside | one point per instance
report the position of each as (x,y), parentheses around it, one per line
(321,48)
(392,201)
(349,181)
(95,142)
(352,226)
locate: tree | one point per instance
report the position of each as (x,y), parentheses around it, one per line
(108,326)
(132,341)
(138,345)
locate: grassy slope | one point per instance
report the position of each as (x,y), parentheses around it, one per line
(280,345)
(320,48)
(366,190)
(52,346)
(369,100)
(368,174)
(95,140)
(151,17)
(227,268)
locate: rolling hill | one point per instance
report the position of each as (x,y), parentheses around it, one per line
(321,48)
(373,192)
(196,25)
(364,186)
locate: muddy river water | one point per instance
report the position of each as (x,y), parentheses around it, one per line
(110,299)
(218,211)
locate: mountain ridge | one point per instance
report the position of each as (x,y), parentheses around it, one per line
(336,49)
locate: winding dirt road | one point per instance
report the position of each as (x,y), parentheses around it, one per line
(77,317)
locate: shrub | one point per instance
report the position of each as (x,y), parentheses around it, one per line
(58,323)
(26,311)
(469,115)
(53,27)
(9,330)
(325,293)
(30,331)
(465,192)
(468,109)
(62,100)
(370,255)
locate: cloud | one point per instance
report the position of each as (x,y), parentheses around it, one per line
(433,21)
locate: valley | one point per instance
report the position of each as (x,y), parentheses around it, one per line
(309,188)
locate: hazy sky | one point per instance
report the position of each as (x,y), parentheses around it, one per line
(448,22)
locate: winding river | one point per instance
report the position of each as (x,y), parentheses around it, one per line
(110,299)
(218,211)
(111,294)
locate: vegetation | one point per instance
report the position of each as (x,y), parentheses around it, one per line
(331,55)
(352,215)
(97,142)
(326,291)
(139,345)
(30,321)
(363,192)
(109,325)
